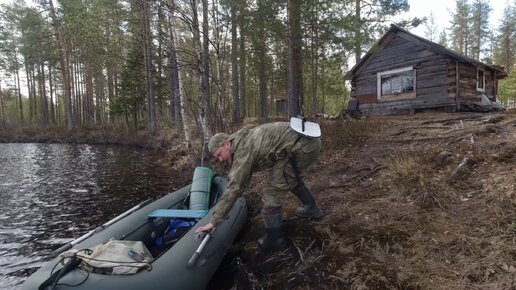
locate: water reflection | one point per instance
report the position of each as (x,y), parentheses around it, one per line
(52,193)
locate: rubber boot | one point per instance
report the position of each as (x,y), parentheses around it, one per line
(273,239)
(310,208)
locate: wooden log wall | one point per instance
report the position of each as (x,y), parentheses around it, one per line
(404,107)
(468,83)
(451,78)
(433,78)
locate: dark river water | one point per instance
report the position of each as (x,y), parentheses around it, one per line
(51,194)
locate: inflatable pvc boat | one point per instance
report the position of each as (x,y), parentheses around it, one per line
(180,259)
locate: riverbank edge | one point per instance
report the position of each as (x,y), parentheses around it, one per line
(163,139)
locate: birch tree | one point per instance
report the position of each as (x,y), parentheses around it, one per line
(186,126)
(173,67)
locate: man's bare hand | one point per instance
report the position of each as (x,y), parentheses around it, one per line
(206,228)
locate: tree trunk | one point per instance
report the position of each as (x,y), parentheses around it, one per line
(315,79)
(220,120)
(315,59)
(175,105)
(43,95)
(323,82)
(111,77)
(205,86)
(135,118)
(32,101)
(159,89)
(180,91)
(17,73)
(261,66)
(64,67)
(2,112)
(99,107)
(32,92)
(234,66)
(76,91)
(149,67)
(110,83)
(51,91)
(357,35)
(201,70)
(243,64)
(59,103)
(295,75)
(89,114)
(507,52)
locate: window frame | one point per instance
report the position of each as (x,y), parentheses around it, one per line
(483,87)
(395,96)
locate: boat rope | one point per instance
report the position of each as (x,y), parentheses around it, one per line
(54,278)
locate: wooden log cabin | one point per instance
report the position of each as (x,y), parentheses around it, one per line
(405,73)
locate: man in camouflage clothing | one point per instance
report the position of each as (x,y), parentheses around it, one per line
(288,154)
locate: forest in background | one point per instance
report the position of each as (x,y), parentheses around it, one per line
(145,65)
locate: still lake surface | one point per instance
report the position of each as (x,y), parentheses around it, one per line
(51,194)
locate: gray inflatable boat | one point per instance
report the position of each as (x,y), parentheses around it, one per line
(187,262)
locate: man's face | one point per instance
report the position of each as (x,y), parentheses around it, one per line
(223,154)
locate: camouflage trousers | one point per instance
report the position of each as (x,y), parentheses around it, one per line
(282,178)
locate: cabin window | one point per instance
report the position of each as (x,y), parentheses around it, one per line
(397,84)
(481,80)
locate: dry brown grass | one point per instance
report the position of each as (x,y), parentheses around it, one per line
(414,175)
(342,134)
(399,214)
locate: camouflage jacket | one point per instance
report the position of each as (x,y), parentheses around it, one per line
(254,150)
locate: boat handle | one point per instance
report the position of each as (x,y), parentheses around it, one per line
(197,252)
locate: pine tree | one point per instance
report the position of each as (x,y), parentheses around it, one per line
(505,47)
(479,36)
(295,76)
(460,29)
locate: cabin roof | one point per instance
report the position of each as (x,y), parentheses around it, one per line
(432,46)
